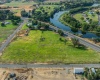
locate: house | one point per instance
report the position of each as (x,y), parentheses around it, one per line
(93,70)
(78,70)
(29,24)
(6,23)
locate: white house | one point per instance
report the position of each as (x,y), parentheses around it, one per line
(78,70)
(93,70)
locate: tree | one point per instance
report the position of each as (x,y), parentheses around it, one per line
(65,41)
(2,24)
(89,77)
(75,41)
(60,32)
(24,13)
(82,18)
(74,29)
(34,22)
(46,26)
(85,27)
(97,12)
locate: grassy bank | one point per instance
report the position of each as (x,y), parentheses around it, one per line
(62,21)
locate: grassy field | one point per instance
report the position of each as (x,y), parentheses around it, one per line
(6,31)
(79,15)
(19,3)
(30,49)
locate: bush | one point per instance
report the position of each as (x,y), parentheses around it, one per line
(2,24)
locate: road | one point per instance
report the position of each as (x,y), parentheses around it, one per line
(5,44)
(48,65)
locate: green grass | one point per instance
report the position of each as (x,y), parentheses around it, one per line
(30,49)
(24,27)
(19,3)
(79,15)
(6,31)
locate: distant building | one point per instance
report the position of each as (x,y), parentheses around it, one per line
(78,70)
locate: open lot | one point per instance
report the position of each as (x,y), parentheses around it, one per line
(6,31)
(39,74)
(31,50)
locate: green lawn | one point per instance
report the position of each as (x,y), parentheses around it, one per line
(30,49)
(78,17)
(19,3)
(6,31)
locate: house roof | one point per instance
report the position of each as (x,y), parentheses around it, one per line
(78,70)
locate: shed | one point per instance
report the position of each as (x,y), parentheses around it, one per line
(78,70)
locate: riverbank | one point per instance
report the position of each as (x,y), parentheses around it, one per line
(62,21)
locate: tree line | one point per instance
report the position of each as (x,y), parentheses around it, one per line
(8,15)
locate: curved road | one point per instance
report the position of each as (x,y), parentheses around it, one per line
(5,44)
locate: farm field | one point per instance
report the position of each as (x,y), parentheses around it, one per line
(6,31)
(19,3)
(30,49)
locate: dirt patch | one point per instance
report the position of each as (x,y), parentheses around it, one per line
(23,33)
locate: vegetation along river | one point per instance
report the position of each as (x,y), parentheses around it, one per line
(56,22)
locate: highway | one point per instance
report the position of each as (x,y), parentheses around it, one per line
(5,44)
(48,65)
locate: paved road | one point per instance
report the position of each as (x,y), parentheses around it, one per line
(5,44)
(48,65)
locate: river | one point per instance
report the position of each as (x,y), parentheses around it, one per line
(57,23)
